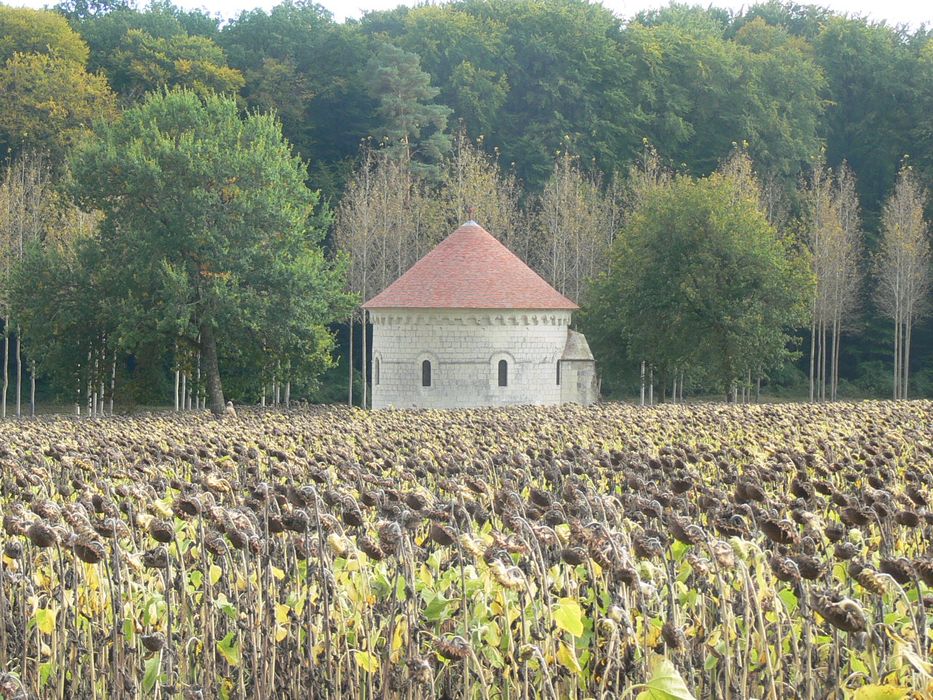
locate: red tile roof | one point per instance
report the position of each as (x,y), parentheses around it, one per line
(470,269)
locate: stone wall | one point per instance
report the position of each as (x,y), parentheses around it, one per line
(464,349)
(578,382)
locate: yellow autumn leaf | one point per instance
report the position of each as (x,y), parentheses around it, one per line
(366,661)
(281,613)
(45,620)
(880,692)
(93,580)
(568,659)
(399,638)
(568,616)
(214,574)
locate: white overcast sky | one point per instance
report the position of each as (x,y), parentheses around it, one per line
(911,12)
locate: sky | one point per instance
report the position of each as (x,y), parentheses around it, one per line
(894,12)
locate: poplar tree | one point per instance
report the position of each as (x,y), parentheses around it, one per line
(833,233)
(575,226)
(903,266)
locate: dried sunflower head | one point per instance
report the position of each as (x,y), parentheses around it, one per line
(841,612)
(673,636)
(453,649)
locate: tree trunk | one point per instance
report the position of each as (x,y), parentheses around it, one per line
(812,355)
(821,363)
(837,341)
(909,323)
(350,364)
(363,358)
(32,389)
(113,380)
(215,391)
(184,390)
(19,374)
(642,382)
(197,399)
(6,365)
(897,354)
(288,394)
(651,385)
(89,388)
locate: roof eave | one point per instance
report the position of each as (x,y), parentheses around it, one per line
(369,306)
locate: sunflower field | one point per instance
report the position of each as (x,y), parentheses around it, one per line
(673,552)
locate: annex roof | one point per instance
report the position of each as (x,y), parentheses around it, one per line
(576,348)
(470,269)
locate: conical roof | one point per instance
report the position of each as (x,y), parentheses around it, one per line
(470,269)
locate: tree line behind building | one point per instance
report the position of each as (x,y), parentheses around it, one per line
(552,122)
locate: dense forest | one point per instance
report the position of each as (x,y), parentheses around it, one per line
(544,117)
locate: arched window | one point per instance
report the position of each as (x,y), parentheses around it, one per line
(426,373)
(376,364)
(558,373)
(503,373)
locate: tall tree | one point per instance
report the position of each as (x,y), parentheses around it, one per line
(699,279)
(903,266)
(298,61)
(59,294)
(23,30)
(49,97)
(386,221)
(143,63)
(210,230)
(876,86)
(574,227)
(834,237)
(413,126)
(77,10)
(33,215)
(700,91)
(475,186)
(464,54)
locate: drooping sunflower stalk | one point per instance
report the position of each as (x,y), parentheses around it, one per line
(708,551)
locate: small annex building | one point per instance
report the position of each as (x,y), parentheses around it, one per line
(471,325)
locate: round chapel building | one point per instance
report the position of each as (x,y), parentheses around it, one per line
(471,325)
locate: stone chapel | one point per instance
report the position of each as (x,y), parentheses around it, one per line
(471,325)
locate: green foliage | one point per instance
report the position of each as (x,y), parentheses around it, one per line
(699,280)
(51,101)
(463,54)
(664,682)
(879,87)
(411,122)
(143,63)
(297,61)
(77,10)
(23,30)
(703,93)
(60,293)
(567,76)
(210,230)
